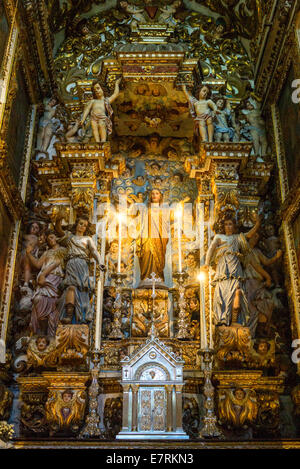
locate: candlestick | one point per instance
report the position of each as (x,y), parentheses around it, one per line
(116,332)
(210,429)
(182,332)
(91,428)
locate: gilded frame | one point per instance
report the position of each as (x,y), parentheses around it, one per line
(290,195)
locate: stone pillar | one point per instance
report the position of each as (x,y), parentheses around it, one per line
(178,389)
(169,388)
(126,409)
(135,388)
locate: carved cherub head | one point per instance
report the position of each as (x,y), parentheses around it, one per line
(67,395)
(154,140)
(262,347)
(42,343)
(239,394)
(142,89)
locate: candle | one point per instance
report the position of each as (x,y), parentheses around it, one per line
(210,310)
(120,242)
(179,226)
(98,325)
(203,331)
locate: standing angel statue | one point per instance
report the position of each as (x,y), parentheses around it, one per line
(226,252)
(100,111)
(202,110)
(80,246)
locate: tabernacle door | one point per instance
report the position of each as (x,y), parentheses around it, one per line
(152,409)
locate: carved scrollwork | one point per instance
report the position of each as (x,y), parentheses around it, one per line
(72,345)
(233,345)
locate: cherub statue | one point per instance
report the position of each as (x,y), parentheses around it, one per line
(31,238)
(257,128)
(260,300)
(271,245)
(48,125)
(137,14)
(202,111)
(223,120)
(167,12)
(100,111)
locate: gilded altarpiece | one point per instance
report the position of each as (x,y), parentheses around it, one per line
(150,295)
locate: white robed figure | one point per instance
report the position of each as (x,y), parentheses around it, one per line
(226,252)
